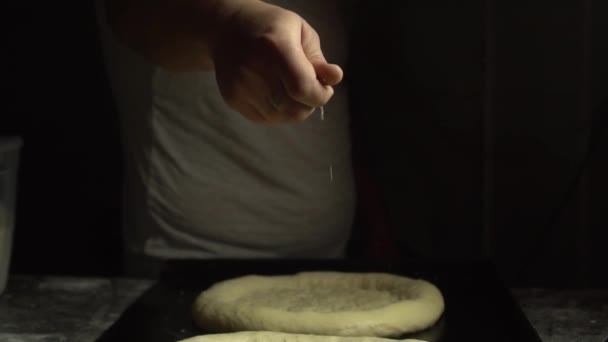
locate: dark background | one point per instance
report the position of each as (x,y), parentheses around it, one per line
(478,116)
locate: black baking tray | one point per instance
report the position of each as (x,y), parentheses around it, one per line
(478,306)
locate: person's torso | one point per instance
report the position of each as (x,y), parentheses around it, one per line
(203,181)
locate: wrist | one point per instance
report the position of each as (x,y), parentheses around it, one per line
(218,16)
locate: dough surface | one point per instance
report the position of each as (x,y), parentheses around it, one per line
(320,303)
(269,336)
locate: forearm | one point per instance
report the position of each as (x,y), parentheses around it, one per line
(175,34)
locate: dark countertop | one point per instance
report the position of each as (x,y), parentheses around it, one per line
(49,309)
(566,315)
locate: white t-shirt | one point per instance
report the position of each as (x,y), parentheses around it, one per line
(204,182)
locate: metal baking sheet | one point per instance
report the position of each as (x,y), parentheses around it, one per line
(478,306)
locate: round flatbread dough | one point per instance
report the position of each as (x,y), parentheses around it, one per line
(270,336)
(320,303)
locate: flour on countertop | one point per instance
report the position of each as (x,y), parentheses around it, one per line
(71,284)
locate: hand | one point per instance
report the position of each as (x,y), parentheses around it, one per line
(269,64)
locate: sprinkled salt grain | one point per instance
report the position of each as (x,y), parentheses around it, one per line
(331,167)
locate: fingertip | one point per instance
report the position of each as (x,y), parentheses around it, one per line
(329,74)
(339,73)
(330,92)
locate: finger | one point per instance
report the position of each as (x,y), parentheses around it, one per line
(253,114)
(328,74)
(299,78)
(238,96)
(280,107)
(249,112)
(269,97)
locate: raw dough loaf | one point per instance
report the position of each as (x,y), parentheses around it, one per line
(320,303)
(269,336)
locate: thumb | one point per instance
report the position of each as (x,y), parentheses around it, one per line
(328,74)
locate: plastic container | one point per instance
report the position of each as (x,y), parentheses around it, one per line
(9,161)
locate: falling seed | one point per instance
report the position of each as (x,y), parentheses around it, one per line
(322,113)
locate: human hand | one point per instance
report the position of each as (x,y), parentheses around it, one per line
(269,64)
